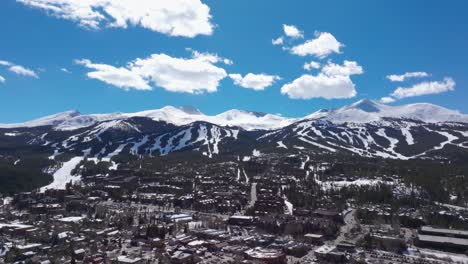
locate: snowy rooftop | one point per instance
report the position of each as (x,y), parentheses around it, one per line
(71,219)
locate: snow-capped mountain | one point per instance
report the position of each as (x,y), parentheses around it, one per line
(365,128)
(247,120)
(52,120)
(366,111)
(363,111)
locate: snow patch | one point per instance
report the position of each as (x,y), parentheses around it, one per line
(63,175)
(281,145)
(408,136)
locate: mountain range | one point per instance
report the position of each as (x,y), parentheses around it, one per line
(365,128)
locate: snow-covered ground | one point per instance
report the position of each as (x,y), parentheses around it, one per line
(366,111)
(317,144)
(430,254)
(393,143)
(408,136)
(328,185)
(288,205)
(256,153)
(281,144)
(63,175)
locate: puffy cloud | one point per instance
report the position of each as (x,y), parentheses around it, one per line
(209,57)
(117,76)
(65,70)
(448,84)
(18,69)
(333,82)
(403,77)
(278,41)
(195,75)
(2,80)
(321,46)
(256,82)
(186,18)
(292,31)
(387,100)
(311,65)
(329,87)
(348,68)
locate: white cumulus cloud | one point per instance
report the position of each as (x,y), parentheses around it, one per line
(2,80)
(194,75)
(320,86)
(311,65)
(186,18)
(436,87)
(292,31)
(407,75)
(321,46)
(256,82)
(348,68)
(333,82)
(117,76)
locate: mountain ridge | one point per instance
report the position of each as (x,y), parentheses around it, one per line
(362,111)
(377,130)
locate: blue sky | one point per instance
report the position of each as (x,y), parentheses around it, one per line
(381,38)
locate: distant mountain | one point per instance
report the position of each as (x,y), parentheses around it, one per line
(248,120)
(366,111)
(365,128)
(363,111)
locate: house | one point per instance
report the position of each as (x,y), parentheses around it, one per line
(313,238)
(180,257)
(240,220)
(330,254)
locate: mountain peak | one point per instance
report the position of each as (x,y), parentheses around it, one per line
(50,120)
(367,105)
(362,111)
(366,110)
(191,110)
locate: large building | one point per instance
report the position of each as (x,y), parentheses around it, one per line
(427,230)
(263,255)
(443,239)
(443,243)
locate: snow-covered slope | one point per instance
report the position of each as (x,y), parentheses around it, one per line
(148,133)
(71,120)
(52,120)
(251,120)
(367,111)
(363,111)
